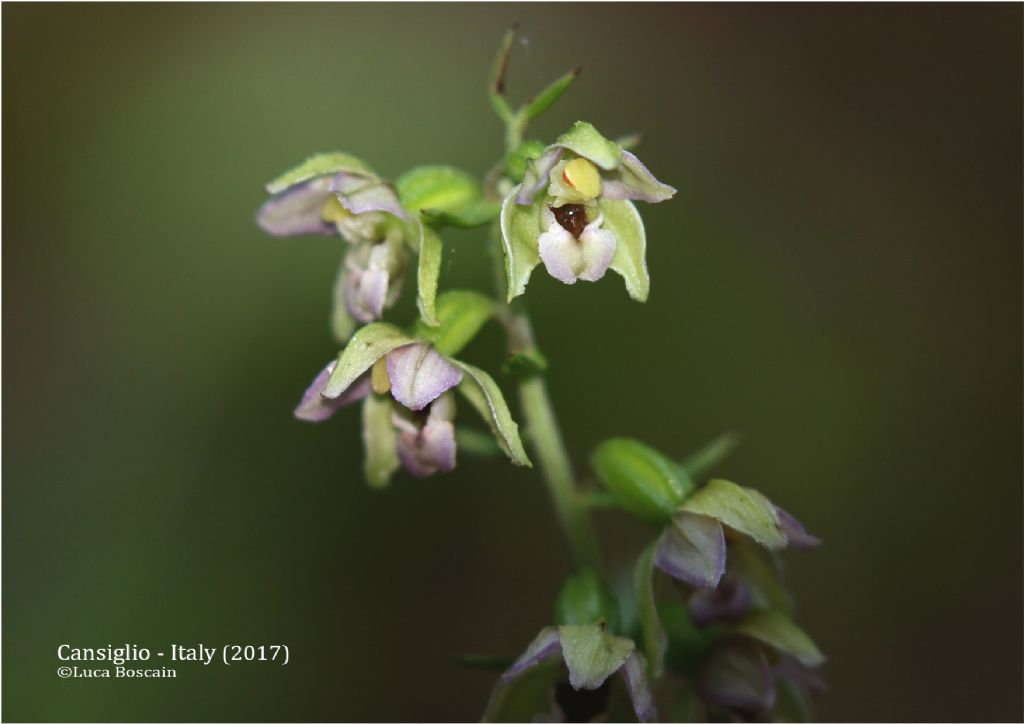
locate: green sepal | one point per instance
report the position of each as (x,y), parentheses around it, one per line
(484,394)
(745,511)
(520,230)
(547,97)
(586,598)
(646,483)
(711,454)
(517,159)
(584,140)
(427,273)
(592,654)
(630,260)
(525,697)
(321,164)
(777,630)
(525,364)
(343,324)
(460,315)
(380,440)
(366,346)
(655,640)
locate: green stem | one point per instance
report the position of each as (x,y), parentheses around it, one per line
(556,469)
(544,435)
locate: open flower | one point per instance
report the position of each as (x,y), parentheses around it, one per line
(573,212)
(337,194)
(408,411)
(590,656)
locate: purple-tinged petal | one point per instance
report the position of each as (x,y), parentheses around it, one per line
(730,601)
(633,182)
(536,177)
(635,674)
(297,210)
(692,549)
(545,646)
(737,676)
(427,450)
(365,292)
(794,531)
(313,407)
(360,195)
(559,252)
(806,679)
(419,375)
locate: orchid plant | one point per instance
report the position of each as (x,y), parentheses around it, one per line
(700,624)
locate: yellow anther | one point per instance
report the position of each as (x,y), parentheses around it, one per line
(583,176)
(333,211)
(379,379)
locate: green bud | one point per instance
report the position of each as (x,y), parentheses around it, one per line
(585,599)
(645,482)
(515,162)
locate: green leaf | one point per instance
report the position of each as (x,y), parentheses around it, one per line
(646,483)
(320,164)
(428,271)
(654,638)
(547,97)
(743,510)
(525,697)
(775,629)
(484,394)
(520,229)
(380,440)
(630,260)
(460,315)
(711,454)
(586,598)
(472,215)
(367,345)
(584,140)
(592,654)
(440,188)
(474,442)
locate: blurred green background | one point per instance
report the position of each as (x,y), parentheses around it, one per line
(839,278)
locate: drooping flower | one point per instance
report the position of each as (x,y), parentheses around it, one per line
(337,194)
(693,548)
(419,421)
(573,212)
(408,409)
(590,656)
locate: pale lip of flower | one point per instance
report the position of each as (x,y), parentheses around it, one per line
(567,258)
(298,209)
(428,446)
(373,277)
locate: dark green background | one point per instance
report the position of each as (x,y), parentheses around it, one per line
(839,278)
